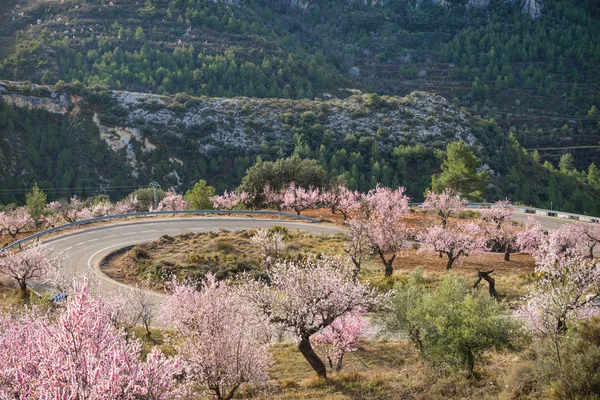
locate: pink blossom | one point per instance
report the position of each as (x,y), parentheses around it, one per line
(387,203)
(455,241)
(229,200)
(307,296)
(340,198)
(16,221)
(171,202)
(299,199)
(30,263)
(501,212)
(79,354)
(218,338)
(273,197)
(360,244)
(339,338)
(530,239)
(125,206)
(71,211)
(444,204)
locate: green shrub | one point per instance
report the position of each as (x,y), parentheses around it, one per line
(280,229)
(451,326)
(468,214)
(225,245)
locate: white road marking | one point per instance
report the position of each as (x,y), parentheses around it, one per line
(79,244)
(130,233)
(106,237)
(151,230)
(92,240)
(61,253)
(68,248)
(100,275)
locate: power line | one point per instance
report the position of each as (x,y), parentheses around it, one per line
(109,188)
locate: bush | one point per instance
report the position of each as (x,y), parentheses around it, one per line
(451,326)
(578,374)
(280,229)
(225,246)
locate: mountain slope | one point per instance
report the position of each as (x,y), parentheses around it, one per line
(129,139)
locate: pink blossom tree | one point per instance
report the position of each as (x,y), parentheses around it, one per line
(273,197)
(500,213)
(131,307)
(349,202)
(502,238)
(50,220)
(271,245)
(171,202)
(16,221)
(339,338)
(101,209)
(229,200)
(299,199)
(340,198)
(531,237)
(307,296)
(79,354)
(359,245)
(30,263)
(125,206)
(444,204)
(71,211)
(558,299)
(455,241)
(382,210)
(218,339)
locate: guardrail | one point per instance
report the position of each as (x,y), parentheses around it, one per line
(533,210)
(151,213)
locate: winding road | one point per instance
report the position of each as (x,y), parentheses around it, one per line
(82,250)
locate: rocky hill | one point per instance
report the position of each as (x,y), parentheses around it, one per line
(67,137)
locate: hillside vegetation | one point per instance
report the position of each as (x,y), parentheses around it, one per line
(128,139)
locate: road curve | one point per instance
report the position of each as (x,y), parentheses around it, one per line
(83,250)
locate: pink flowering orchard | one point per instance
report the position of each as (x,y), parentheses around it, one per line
(444,204)
(340,198)
(70,211)
(339,338)
(14,222)
(33,262)
(79,354)
(229,200)
(307,296)
(219,341)
(455,241)
(171,202)
(299,199)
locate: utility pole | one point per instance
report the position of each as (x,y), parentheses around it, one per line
(155,186)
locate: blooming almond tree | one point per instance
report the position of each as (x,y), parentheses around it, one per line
(131,307)
(360,245)
(382,211)
(531,238)
(339,338)
(503,238)
(102,209)
(71,211)
(500,213)
(455,241)
(563,294)
(308,296)
(171,202)
(444,203)
(271,245)
(273,197)
(30,263)
(79,355)
(125,206)
(218,337)
(340,198)
(16,221)
(229,200)
(299,199)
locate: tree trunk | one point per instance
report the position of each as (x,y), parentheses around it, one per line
(592,251)
(23,290)
(507,253)
(450,261)
(338,365)
(491,282)
(388,264)
(312,357)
